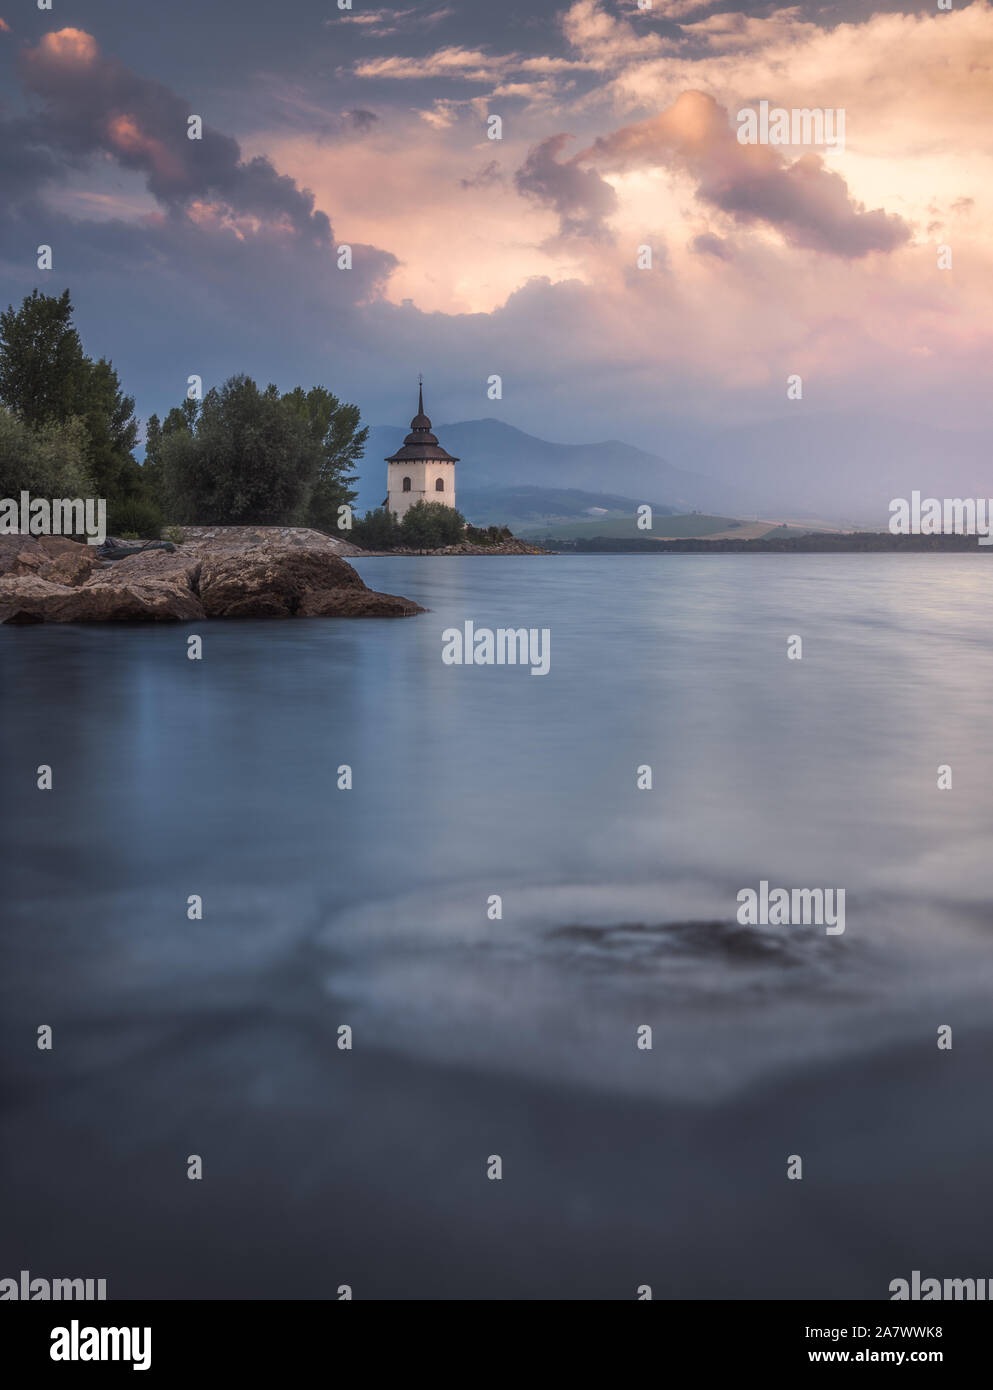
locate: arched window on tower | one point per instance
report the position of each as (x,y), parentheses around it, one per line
(440,485)
(406,484)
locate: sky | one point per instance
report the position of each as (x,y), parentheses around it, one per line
(517,257)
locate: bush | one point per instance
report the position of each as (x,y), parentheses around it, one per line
(492,535)
(136,517)
(377,530)
(429,525)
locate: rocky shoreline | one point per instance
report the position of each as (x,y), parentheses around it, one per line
(210,572)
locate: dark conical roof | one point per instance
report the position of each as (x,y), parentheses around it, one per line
(420,444)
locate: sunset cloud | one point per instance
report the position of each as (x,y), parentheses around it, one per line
(582,199)
(808,203)
(605,40)
(67,49)
(521,255)
(93,104)
(384,22)
(463,64)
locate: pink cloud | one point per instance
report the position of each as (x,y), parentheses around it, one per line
(127,137)
(94,104)
(68,48)
(807,203)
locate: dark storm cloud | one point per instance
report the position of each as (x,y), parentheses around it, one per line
(582,199)
(236,273)
(806,202)
(94,105)
(26,164)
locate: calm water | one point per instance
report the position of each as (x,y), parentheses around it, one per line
(368,907)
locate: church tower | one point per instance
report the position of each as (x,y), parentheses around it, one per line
(420,471)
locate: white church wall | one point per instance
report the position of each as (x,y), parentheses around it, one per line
(423,478)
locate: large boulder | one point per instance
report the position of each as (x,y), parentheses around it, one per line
(268,580)
(27,599)
(277,581)
(47,557)
(228,572)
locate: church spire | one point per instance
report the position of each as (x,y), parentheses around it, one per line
(420,422)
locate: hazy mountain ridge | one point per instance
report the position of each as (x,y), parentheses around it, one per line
(842,467)
(490,506)
(496,455)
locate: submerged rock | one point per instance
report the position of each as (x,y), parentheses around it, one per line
(226,572)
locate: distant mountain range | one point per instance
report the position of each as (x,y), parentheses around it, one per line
(837,467)
(533,506)
(496,457)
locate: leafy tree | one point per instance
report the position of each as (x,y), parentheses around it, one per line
(47,462)
(153,474)
(246,455)
(241,457)
(428,525)
(111,425)
(41,359)
(46,379)
(335,427)
(152,467)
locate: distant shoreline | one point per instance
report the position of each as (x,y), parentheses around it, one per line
(814,543)
(824,542)
(512,547)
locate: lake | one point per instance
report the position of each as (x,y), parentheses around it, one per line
(497,910)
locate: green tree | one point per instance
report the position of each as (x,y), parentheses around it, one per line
(335,427)
(41,359)
(428,525)
(242,457)
(47,462)
(112,428)
(46,379)
(152,467)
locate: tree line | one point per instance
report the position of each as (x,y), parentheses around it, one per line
(243,455)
